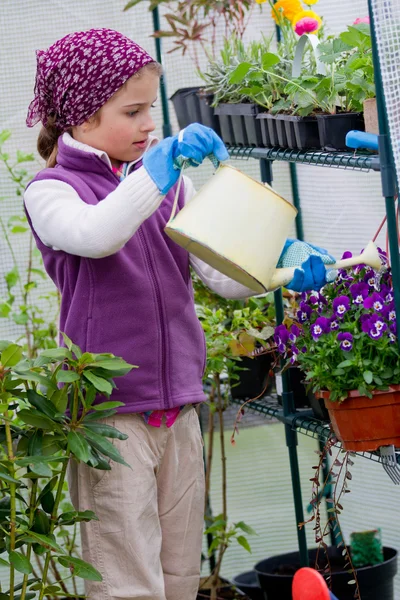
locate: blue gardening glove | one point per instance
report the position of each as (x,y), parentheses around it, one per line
(312,275)
(192,144)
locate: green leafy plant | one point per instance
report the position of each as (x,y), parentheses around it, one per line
(344,337)
(24,305)
(233,328)
(38,436)
(193,25)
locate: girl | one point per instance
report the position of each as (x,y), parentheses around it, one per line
(98,213)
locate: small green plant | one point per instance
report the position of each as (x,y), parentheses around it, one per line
(24,305)
(48,416)
(233,328)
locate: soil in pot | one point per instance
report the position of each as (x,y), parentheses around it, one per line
(364,424)
(248,583)
(179,100)
(275,576)
(332,129)
(254,379)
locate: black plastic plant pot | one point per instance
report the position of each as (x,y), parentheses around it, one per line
(318,407)
(248,583)
(296,382)
(281,131)
(235,112)
(179,100)
(208,117)
(268,129)
(332,129)
(225,592)
(306,132)
(275,575)
(252,127)
(288,124)
(225,123)
(253,377)
(193,106)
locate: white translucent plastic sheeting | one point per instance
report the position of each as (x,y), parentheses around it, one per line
(387,27)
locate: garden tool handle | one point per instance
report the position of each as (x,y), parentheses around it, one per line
(369,256)
(361,139)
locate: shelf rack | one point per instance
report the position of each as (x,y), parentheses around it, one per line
(294,422)
(339,160)
(301,421)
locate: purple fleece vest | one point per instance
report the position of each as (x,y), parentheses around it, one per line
(137,303)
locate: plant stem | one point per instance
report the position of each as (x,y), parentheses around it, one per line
(32,506)
(211,427)
(13,511)
(53,520)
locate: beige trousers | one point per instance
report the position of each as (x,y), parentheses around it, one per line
(147,542)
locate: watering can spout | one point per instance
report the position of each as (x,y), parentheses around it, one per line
(369,256)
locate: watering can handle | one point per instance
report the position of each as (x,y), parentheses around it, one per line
(298,57)
(183,164)
(369,256)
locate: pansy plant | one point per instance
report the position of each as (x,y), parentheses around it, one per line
(345,336)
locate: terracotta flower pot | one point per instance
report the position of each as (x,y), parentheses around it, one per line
(365,424)
(371,116)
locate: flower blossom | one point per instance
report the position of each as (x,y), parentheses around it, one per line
(321,325)
(341,305)
(361,20)
(359,291)
(306,25)
(346,340)
(304,313)
(375,302)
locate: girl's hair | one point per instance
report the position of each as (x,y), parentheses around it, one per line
(47,143)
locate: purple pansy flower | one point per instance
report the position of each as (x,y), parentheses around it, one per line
(375,302)
(376,326)
(281,335)
(304,313)
(321,325)
(294,333)
(341,305)
(295,351)
(346,341)
(370,279)
(359,291)
(334,324)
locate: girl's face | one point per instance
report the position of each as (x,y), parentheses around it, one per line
(124,124)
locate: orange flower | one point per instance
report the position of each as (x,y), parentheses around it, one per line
(286,9)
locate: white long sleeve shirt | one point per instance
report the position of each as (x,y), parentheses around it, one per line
(64,222)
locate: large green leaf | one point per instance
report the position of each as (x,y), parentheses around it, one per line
(240,72)
(43,540)
(11,355)
(60,399)
(107,405)
(9,479)
(80,568)
(20,562)
(57,353)
(42,404)
(101,385)
(104,446)
(37,419)
(106,431)
(67,376)
(79,446)
(95,416)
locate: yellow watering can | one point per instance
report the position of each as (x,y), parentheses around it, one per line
(239,226)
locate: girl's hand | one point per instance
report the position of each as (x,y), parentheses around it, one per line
(193,144)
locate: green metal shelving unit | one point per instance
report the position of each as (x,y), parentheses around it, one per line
(302,421)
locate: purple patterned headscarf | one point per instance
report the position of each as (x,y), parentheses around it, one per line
(79,73)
